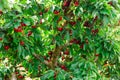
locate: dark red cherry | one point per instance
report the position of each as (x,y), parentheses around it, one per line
(60,29)
(56,12)
(22,43)
(76,3)
(6,47)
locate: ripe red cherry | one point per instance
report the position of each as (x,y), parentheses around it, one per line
(34,26)
(63,67)
(19,29)
(49,60)
(40,13)
(1,39)
(96,17)
(72,23)
(29,33)
(60,18)
(23,24)
(6,47)
(80,19)
(20,77)
(110,3)
(76,3)
(77,41)
(72,41)
(60,29)
(16,72)
(15,29)
(87,24)
(22,43)
(81,46)
(1,12)
(56,12)
(66,52)
(97,55)
(66,3)
(95,31)
(50,53)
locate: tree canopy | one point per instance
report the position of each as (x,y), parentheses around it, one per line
(60,39)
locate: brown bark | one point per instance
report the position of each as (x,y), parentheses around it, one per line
(55,56)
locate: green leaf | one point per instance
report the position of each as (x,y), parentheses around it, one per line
(47,75)
(105,12)
(16,24)
(73,66)
(23,1)
(19,50)
(1,6)
(67,36)
(76,78)
(17,7)
(0,45)
(7,25)
(94,13)
(26,21)
(105,20)
(66,18)
(60,75)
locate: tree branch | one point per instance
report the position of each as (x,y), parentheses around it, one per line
(39,58)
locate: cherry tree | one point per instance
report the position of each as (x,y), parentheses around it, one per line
(59,39)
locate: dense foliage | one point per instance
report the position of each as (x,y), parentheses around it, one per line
(60,39)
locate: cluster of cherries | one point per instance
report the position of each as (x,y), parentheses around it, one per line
(65,4)
(76,41)
(19,29)
(73,41)
(72,23)
(66,52)
(19,76)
